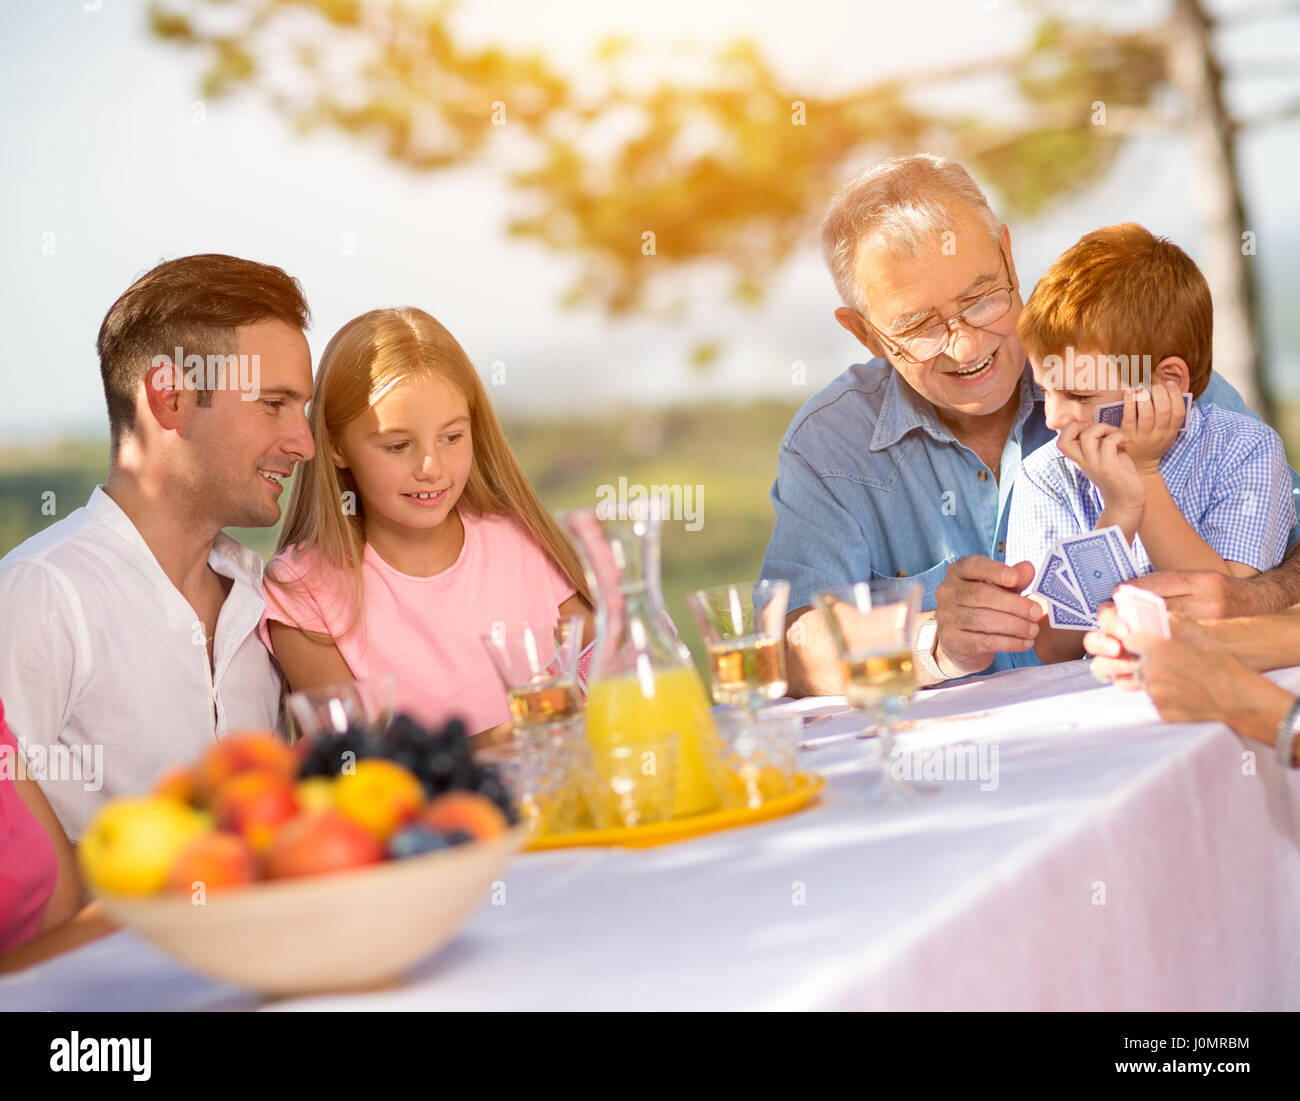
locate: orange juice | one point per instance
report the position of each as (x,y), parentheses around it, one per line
(626,709)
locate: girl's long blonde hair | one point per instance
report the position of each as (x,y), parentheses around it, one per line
(363,361)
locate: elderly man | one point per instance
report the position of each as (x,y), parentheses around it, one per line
(129,638)
(903,466)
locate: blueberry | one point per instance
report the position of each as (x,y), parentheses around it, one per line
(458,837)
(416,839)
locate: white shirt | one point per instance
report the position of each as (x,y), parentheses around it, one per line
(104,668)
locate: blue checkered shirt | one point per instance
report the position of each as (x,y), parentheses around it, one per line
(1227,473)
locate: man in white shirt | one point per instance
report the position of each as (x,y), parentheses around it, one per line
(128,629)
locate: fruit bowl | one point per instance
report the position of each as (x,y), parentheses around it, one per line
(350,930)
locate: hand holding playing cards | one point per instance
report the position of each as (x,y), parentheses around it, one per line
(1101,452)
(1135,613)
(1191,681)
(1152,421)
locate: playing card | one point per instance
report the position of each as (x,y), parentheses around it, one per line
(1099,562)
(1142,611)
(1057,586)
(1059,616)
(1113,412)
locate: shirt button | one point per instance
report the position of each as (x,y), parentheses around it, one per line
(1002,548)
(901,573)
(983,475)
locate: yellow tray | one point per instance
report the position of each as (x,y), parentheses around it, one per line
(807,788)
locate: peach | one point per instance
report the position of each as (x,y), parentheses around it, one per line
(476,814)
(181,784)
(318,843)
(378,795)
(217,860)
(246,751)
(253,805)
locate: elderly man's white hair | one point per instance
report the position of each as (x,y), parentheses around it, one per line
(905,203)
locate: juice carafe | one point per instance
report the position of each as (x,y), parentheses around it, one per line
(641,687)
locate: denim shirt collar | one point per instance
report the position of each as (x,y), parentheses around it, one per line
(903,410)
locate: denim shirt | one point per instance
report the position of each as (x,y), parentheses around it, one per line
(871,483)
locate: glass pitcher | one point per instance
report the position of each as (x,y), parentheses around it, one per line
(641,687)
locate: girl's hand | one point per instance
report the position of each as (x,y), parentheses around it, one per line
(1101,452)
(1151,423)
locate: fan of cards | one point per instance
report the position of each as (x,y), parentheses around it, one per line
(1113,411)
(1083,572)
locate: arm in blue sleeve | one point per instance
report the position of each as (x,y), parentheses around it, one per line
(816,542)
(1218,391)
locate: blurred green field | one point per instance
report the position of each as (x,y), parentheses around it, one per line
(729,450)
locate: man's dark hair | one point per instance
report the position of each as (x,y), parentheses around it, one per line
(195,303)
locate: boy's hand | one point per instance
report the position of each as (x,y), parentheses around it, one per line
(1151,424)
(1101,452)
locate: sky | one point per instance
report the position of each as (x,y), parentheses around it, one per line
(107,171)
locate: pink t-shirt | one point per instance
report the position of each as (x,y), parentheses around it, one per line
(425,631)
(28,866)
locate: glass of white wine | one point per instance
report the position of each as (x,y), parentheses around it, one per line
(743,627)
(539,672)
(873,624)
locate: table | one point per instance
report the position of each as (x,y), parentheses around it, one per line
(1107,862)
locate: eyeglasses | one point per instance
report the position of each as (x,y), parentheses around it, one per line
(931,341)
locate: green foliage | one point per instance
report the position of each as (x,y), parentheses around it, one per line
(734,169)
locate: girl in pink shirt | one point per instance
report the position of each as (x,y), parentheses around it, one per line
(412,531)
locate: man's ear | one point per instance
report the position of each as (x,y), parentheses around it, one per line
(851,321)
(1173,369)
(1011,260)
(165,394)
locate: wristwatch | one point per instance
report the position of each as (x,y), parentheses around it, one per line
(1286,735)
(927,642)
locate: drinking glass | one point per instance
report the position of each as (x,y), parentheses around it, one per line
(540,674)
(759,758)
(363,704)
(743,627)
(545,769)
(872,624)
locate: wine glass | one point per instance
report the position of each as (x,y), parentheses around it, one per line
(743,627)
(363,704)
(540,674)
(872,624)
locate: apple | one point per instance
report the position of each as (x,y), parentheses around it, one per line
(318,843)
(217,860)
(253,805)
(378,795)
(131,845)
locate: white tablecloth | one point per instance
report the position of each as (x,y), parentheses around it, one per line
(1119,863)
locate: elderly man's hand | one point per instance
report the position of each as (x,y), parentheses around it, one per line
(1205,594)
(980,613)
